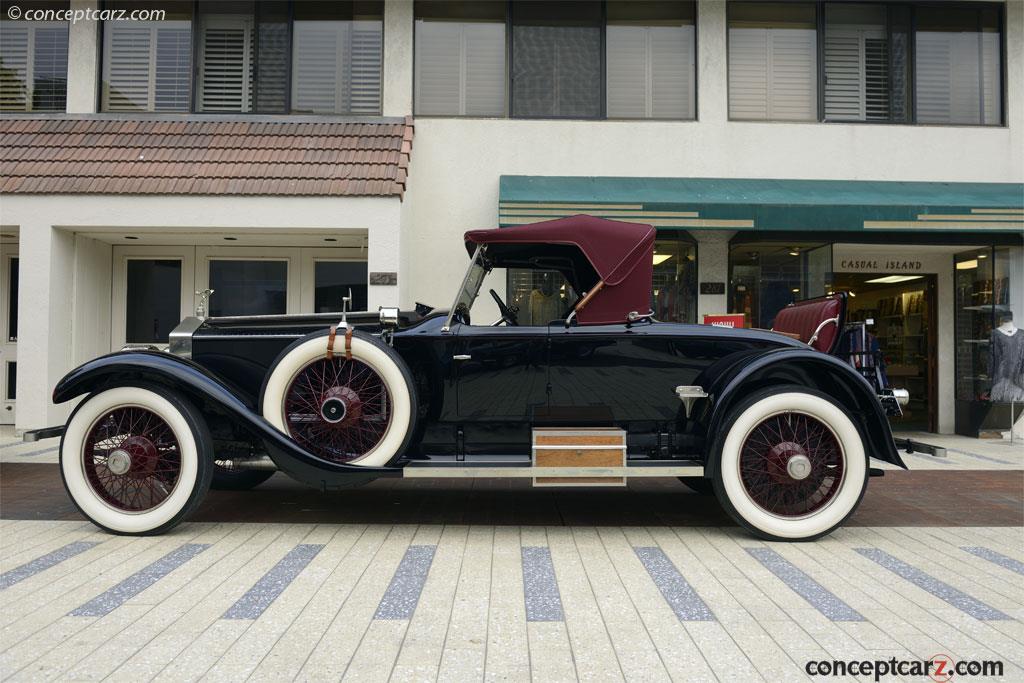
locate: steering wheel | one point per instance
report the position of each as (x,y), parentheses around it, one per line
(509,314)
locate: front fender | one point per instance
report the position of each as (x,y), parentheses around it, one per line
(128,368)
(802,367)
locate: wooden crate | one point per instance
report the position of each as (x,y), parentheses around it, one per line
(581,449)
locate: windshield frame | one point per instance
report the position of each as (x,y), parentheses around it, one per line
(470,288)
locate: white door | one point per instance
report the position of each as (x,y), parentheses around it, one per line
(9,326)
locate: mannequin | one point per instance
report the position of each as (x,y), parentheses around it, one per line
(1007,361)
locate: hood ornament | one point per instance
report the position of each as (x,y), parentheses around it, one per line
(204,300)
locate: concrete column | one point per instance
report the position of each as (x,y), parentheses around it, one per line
(712,78)
(712,266)
(398,28)
(383,260)
(45,297)
(83,61)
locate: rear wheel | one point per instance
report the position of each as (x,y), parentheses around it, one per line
(792,466)
(357,408)
(135,461)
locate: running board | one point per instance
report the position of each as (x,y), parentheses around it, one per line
(414,470)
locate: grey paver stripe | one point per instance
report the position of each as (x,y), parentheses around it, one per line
(929,458)
(540,587)
(940,589)
(676,590)
(108,601)
(980,456)
(403,593)
(819,597)
(996,558)
(272,584)
(39,452)
(9,578)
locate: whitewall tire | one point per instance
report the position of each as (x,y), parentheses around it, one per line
(135,461)
(792,465)
(357,411)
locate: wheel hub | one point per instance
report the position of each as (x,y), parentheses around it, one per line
(333,410)
(341,405)
(119,461)
(142,456)
(798,466)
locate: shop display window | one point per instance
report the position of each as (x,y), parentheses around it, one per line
(765,277)
(989,343)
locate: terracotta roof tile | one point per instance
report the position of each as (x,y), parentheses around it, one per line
(146,156)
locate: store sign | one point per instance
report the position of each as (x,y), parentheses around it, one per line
(726,320)
(880,265)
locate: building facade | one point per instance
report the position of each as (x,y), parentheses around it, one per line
(282,153)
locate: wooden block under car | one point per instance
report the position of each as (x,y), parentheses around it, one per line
(582,449)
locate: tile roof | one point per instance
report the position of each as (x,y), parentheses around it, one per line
(96,155)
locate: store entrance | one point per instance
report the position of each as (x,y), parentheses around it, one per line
(900,311)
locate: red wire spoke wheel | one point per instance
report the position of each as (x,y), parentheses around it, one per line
(338,408)
(131,459)
(791,464)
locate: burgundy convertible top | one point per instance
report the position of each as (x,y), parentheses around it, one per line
(621,255)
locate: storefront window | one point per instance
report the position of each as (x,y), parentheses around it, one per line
(766,277)
(675,281)
(256,287)
(989,343)
(153,300)
(334,280)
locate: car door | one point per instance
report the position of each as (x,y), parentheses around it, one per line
(501,372)
(616,373)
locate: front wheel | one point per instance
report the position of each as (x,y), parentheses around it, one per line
(134,461)
(792,466)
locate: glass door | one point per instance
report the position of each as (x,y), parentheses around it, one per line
(249,281)
(152,291)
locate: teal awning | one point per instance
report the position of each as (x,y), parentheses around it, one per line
(760,204)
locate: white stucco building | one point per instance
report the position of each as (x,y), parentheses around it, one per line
(283,152)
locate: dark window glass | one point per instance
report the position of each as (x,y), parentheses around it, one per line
(33,60)
(248,287)
(766,277)
(227,56)
(12,381)
(12,302)
(153,301)
(556,60)
(334,279)
(272,56)
(958,65)
(541,295)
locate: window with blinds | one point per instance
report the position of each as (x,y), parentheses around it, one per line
(773,62)
(147,66)
(336,67)
(856,51)
(226,57)
(33,65)
(958,67)
(460,68)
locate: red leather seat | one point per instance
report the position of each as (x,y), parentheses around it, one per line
(804,318)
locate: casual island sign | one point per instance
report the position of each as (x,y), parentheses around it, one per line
(860,258)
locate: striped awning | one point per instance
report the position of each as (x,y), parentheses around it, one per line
(766,204)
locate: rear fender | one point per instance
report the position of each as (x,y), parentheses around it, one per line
(130,368)
(801,367)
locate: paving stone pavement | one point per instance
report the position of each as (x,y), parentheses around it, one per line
(407,602)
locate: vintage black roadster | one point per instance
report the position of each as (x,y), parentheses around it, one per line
(775,423)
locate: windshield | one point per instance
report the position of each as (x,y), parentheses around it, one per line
(470,287)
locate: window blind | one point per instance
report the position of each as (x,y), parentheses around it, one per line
(147,66)
(226,63)
(650,71)
(460,68)
(773,74)
(34,58)
(958,77)
(337,67)
(856,74)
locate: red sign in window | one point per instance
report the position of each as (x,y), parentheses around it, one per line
(726,320)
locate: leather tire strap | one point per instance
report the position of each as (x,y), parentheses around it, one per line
(330,342)
(348,343)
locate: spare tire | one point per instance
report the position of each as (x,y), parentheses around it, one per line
(356,407)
